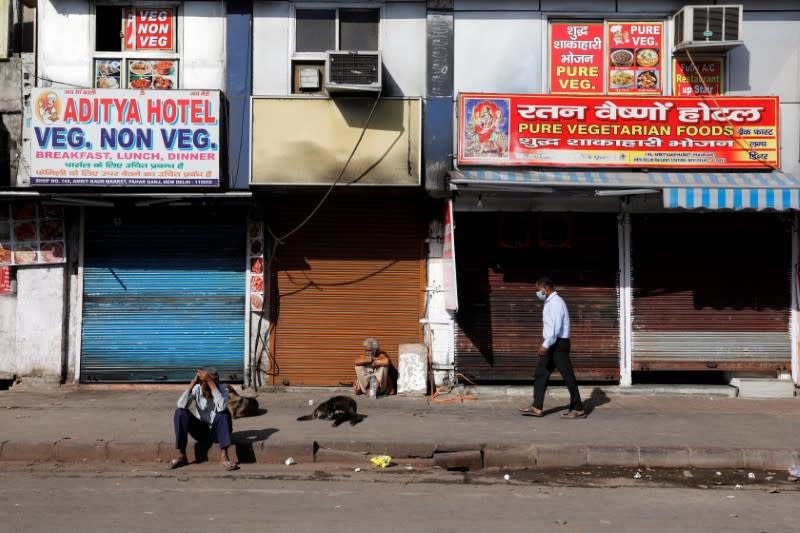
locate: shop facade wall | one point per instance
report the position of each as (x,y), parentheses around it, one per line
(65,46)
(32,324)
(402,42)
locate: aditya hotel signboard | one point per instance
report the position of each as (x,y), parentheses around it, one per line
(618,131)
(122,137)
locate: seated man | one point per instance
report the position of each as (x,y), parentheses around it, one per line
(376,363)
(203,413)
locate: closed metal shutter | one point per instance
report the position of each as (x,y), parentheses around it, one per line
(499,320)
(353,271)
(162,297)
(711,292)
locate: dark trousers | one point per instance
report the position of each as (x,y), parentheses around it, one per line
(557,356)
(187,424)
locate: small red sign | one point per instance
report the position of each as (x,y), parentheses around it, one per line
(5,280)
(149,28)
(703,78)
(576,58)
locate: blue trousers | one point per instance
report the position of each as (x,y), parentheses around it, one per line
(187,424)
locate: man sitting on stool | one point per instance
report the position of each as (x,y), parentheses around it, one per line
(374,362)
(203,413)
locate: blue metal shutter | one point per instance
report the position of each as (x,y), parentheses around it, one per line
(160,300)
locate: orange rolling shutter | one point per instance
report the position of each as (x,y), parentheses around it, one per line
(355,270)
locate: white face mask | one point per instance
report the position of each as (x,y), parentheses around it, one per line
(541,295)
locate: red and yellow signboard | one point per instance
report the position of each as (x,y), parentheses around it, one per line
(576,58)
(635,63)
(150,28)
(618,131)
(705,79)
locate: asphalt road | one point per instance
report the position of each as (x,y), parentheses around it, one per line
(84,498)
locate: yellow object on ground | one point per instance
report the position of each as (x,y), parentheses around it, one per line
(381,461)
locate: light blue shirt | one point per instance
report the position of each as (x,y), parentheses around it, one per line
(202,408)
(555,318)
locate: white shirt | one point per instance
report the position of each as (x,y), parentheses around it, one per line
(203,408)
(555,319)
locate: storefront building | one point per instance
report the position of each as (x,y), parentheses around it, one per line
(648,167)
(336,164)
(128,246)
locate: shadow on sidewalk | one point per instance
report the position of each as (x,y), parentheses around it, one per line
(243,441)
(596,399)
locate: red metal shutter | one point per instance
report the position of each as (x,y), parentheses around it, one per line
(353,271)
(711,291)
(499,321)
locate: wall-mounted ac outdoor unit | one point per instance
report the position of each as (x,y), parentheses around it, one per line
(353,71)
(708,28)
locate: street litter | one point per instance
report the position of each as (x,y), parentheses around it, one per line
(290,461)
(718,473)
(794,470)
(751,475)
(687,473)
(637,475)
(507,477)
(358,469)
(409,467)
(381,461)
(738,486)
(310,402)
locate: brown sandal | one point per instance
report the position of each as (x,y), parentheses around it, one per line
(574,414)
(531,411)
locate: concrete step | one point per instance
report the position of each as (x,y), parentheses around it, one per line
(753,388)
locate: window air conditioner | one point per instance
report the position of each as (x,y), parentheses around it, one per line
(353,71)
(707,28)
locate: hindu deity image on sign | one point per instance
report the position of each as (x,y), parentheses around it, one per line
(486,128)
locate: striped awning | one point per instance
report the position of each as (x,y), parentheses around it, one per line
(688,190)
(780,199)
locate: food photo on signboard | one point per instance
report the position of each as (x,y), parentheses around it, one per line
(152,74)
(107,73)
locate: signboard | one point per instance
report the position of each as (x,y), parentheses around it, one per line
(622,131)
(150,28)
(121,137)
(31,234)
(5,280)
(576,58)
(635,57)
(440,53)
(706,79)
(138,73)
(449,261)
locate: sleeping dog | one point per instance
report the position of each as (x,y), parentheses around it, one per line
(338,409)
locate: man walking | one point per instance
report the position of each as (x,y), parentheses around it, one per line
(554,353)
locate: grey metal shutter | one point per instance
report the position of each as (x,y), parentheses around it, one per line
(711,291)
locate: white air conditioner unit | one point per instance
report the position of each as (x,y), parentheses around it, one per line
(707,28)
(353,71)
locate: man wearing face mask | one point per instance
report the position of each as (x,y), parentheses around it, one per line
(554,353)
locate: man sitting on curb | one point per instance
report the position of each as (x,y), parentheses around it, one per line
(203,413)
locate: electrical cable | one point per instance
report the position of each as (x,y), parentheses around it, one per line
(280,240)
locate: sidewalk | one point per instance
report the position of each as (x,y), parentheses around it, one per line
(622,429)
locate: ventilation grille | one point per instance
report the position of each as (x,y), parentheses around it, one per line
(355,71)
(708,27)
